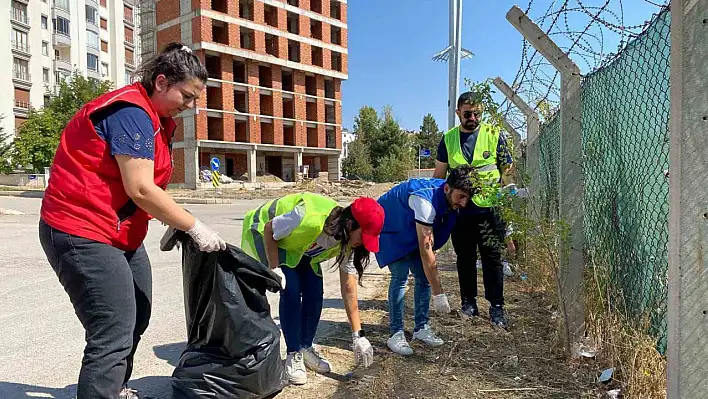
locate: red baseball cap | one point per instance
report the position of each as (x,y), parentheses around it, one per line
(370,216)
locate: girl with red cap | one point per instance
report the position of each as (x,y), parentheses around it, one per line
(294,235)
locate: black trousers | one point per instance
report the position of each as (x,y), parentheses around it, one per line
(484,230)
(111,291)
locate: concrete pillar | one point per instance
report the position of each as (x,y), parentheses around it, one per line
(335,167)
(191,153)
(297,157)
(251,164)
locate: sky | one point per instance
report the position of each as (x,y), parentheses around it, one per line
(391,44)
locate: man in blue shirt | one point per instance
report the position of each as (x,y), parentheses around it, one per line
(420,215)
(478,226)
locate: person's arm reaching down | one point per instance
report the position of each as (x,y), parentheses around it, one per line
(139,183)
(363,352)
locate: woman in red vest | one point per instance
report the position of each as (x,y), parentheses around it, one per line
(108,180)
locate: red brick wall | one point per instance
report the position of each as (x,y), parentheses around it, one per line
(169,35)
(178,173)
(166,10)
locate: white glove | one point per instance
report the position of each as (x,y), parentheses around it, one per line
(363,352)
(280,274)
(207,239)
(441,304)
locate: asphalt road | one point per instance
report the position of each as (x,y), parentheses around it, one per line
(41,340)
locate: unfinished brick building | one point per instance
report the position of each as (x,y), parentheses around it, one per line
(273,99)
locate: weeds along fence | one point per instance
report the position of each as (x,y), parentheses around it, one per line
(625,157)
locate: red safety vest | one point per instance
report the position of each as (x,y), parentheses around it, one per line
(85,196)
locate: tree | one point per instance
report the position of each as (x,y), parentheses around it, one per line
(428,138)
(394,166)
(366,124)
(5,147)
(388,139)
(76,92)
(38,137)
(37,140)
(357,164)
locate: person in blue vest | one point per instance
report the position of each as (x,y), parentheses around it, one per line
(481,145)
(420,215)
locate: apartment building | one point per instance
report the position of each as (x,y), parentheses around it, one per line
(273,100)
(46,40)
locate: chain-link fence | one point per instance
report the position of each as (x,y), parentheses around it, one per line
(625,133)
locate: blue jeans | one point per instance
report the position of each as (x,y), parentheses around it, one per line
(300,305)
(397,289)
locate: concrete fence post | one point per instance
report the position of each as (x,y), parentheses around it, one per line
(688,202)
(571,178)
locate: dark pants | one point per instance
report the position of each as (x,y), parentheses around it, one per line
(111,291)
(484,230)
(300,305)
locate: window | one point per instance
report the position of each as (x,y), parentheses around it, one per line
(103,3)
(128,77)
(61,26)
(129,57)
(92,62)
(127,14)
(104,46)
(45,48)
(19,40)
(45,75)
(104,23)
(20,69)
(104,69)
(19,12)
(45,22)
(91,15)
(92,39)
(63,4)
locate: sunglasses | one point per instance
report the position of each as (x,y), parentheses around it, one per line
(468,114)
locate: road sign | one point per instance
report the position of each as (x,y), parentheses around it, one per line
(215,164)
(424,152)
(215,177)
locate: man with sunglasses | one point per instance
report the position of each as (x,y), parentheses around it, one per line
(479,225)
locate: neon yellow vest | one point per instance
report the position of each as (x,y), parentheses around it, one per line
(487,141)
(293,247)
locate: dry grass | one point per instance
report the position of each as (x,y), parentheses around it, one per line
(623,344)
(477,360)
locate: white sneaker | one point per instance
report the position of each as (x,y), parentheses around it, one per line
(427,336)
(507,269)
(295,368)
(315,362)
(398,344)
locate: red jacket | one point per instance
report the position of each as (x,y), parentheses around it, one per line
(85,196)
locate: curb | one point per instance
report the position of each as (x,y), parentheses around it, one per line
(202,201)
(185,200)
(22,194)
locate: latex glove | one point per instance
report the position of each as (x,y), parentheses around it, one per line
(441,304)
(280,274)
(207,239)
(363,352)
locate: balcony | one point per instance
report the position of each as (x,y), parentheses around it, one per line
(63,63)
(22,77)
(21,108)
(19,47)
(129,19)
(130,62)
(61,39)
(129,41)
(19,16)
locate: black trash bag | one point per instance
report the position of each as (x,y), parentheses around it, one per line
(233,347)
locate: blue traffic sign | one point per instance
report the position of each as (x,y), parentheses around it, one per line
(424,152)
(215,164)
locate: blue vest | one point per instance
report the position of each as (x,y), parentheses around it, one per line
(398,237)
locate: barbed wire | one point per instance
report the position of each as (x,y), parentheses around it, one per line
(591,32)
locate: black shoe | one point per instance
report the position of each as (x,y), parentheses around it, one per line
(497,316)
(469,310)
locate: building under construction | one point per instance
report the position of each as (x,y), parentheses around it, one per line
(273,98)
